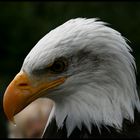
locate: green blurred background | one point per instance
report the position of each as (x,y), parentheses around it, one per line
(22,24)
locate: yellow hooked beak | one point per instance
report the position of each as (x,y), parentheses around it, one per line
(21,93)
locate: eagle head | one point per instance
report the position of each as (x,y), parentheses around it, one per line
(86,68)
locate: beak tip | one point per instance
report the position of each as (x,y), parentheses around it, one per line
(13,121)
(8,112)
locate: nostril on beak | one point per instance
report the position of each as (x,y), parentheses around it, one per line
(23,84)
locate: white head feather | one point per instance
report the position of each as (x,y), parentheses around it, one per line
(101,84)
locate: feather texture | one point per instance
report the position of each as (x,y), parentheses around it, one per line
(101,84)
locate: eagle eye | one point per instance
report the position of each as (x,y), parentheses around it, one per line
(59,65)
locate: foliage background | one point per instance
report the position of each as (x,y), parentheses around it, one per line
(22,24)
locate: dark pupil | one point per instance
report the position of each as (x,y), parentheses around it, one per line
(58,66)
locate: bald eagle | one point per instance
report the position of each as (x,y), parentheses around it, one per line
(88,70)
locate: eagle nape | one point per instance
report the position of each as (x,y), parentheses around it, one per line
(88,70)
